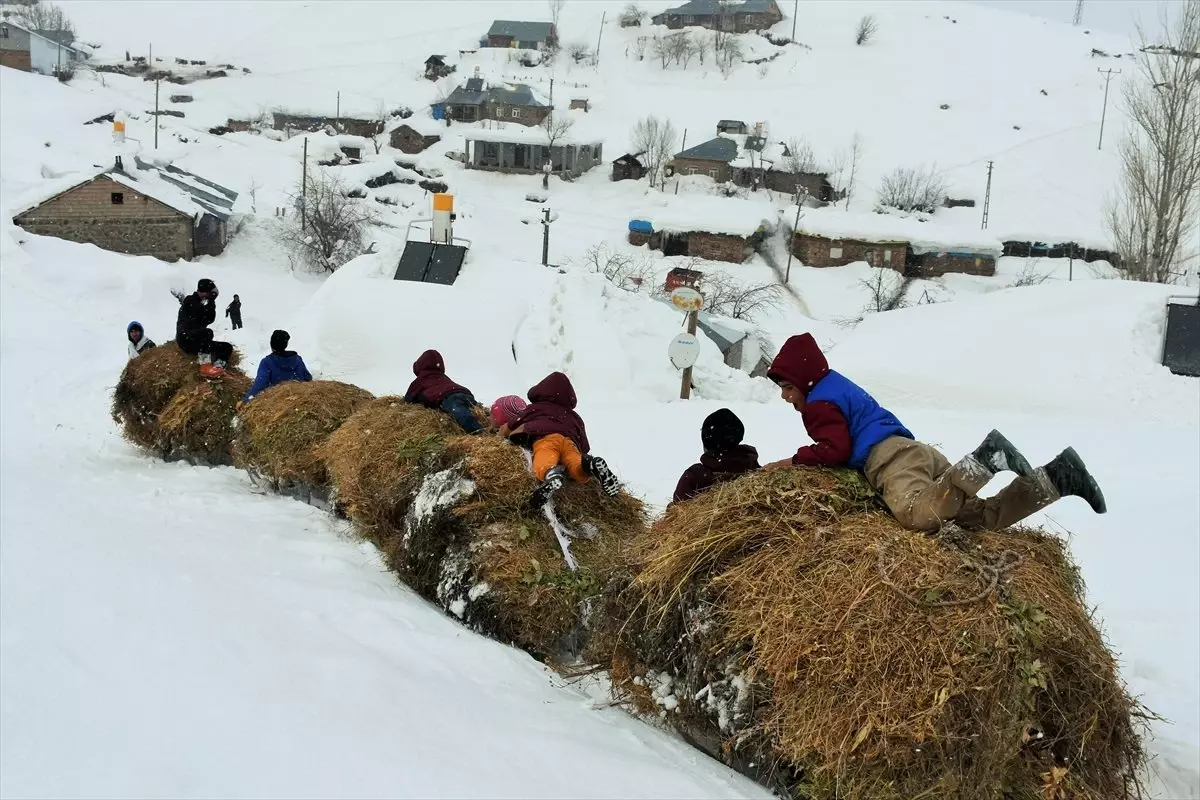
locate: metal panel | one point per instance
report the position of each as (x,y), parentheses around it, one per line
(414,261)
(445,265)
(1181,350)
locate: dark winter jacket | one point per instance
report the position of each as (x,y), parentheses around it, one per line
(234,310)
(841,418)
(551,409)
(431,385)
(191,327)
(715,468)
(275,369)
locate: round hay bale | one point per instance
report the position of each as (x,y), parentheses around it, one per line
(197,423)
(805,637)
(472,545)
(372,461)
(148,383)
(284,429)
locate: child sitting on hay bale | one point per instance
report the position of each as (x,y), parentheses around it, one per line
(279,366)
(196,312)
(558,438)
(434,390)
(919,486)
(138,341)
(724,458)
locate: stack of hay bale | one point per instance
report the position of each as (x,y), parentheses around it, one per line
(788,625)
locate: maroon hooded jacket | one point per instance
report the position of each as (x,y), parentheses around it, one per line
(713,469)
(431,385)
(551,409)
(801,363)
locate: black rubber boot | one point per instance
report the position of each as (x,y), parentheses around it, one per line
(556,478)
(999,455)
(598,468)
(1070,477)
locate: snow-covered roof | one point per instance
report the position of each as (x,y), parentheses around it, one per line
(520,134)
(426,126)
(522,31)
(721,148)
(708,214)
(924,237)
(211,197)
(711,7)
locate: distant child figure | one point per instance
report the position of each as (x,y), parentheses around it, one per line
(506,409)
(279,366)
(234,312)
(725,457)
(919,486)
(196,313)
(138,342)
(432,389)
(558,438)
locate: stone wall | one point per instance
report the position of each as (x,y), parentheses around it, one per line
(717,247)
(138,225)
(817,251)
(935,264)
(717,170)
(16,59)
(637,239)
(407,140)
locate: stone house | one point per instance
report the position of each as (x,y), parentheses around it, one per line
(711,158)
(162,212)
(523,35)
(436,67)
(408,139)
(628,168)
(1032,249)
(45,53)
(475,101)
(522,151)
(296,123)
(725,15)
(712,228)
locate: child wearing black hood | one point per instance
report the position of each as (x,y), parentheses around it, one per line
(725,457)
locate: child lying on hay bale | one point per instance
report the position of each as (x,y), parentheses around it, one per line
(283,432)
(472,544)
(147,385)
(788,625)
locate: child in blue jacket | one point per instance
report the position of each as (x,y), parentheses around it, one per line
(281,365)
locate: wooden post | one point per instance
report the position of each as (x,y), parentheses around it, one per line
(685,389)
(156,82)
(600,36)
(545,237)
(304,189)
(787,275)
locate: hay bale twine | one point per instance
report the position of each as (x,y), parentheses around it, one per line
(792,628)
(197,424)
(148,383)
(471,545)
(283,430)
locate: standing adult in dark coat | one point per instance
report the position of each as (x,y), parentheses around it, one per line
(192,334)
(234,312)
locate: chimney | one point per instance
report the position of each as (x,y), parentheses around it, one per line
(119,167)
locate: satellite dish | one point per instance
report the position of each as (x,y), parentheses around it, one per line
(685,298)
(684,350)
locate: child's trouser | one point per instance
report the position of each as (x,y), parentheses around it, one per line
(203,345)
(458,406)
(554,449)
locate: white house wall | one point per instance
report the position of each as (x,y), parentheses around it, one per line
(44,55)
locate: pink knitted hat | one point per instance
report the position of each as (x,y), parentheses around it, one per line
(506,409)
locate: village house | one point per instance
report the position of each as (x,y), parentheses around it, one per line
(163,212)
(1026,248)
(711,158)
(45,52)
(291,124)
(734,127)
(476,101)
(628,167)
(829,238)
(415,135)
(725,15)
(523,35)
(520,150)
(712,228)
(750,161)
(436,67)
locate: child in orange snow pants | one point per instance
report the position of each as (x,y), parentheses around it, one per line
(554,449)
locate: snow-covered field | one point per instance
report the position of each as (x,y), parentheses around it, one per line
(166,631)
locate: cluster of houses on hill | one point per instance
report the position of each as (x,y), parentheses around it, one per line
(739,16)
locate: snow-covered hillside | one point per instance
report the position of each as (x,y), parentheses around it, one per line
(166,630)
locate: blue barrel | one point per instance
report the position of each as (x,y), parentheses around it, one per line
(640,226)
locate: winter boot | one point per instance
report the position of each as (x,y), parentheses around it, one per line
(598,468)
(999,454)
(1070,477)
(556,478)
(212,370)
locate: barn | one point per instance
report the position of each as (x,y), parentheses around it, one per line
(711,228)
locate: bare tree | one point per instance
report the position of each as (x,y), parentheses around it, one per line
(632,16)
(556,7)
(626,271)
(677,45)
(687,48)
(1030,275)
(887,289)
(579,51)
(798,156)
(329,227)
(639,48)
(912,189)
(727,297)
(845,167)
(662,50)
(653,139)
(45,16)
(556,128)
(381,118)
(1153,217)
(868,26)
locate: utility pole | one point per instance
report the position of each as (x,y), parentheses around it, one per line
(795,11)
(987,198)
(545,237)
(156,82)
(1078,20)
(304,189)
(685,388)
(787,275)
(1108,73)
(600,36)
(337,119)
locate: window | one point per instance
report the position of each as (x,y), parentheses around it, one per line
(688,19)
(869,257)
(499,112)
(516,113)
(835,251)
(887,256)
(118,198)
(691,170)
(712,173)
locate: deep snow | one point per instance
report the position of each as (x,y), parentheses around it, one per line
(166,631)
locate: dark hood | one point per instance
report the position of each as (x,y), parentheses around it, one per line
(555,388)
(430,361)
(739,459)
(800,362)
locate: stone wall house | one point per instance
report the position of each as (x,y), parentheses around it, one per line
(1033,249)
(816,184)
(523,35)
(407,139)
(732,15)
(820,251)
(475,101)
(628,168)
(932,265)
(500,151)
(711,158)
(368,128)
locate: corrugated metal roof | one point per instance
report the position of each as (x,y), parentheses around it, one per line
(212,197)
(718,149)
(522,31)
(714,7)
(517,94)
